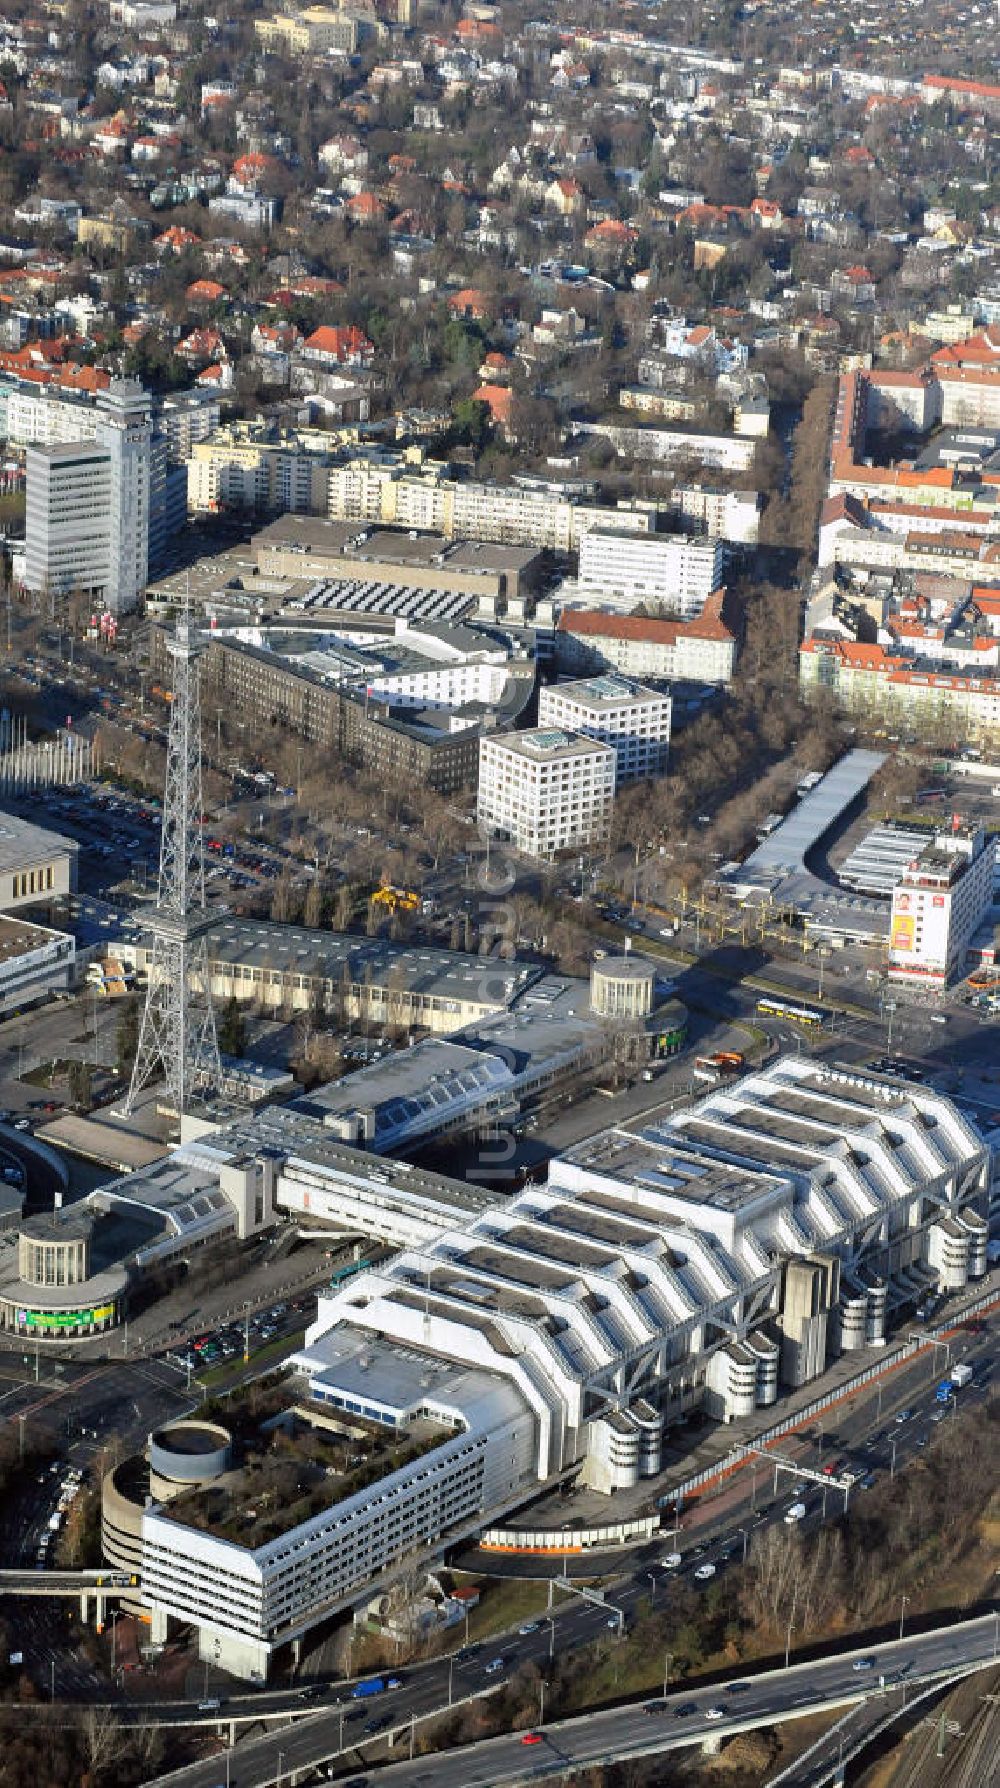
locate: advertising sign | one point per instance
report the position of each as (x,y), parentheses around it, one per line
(902,934)
(64,1319)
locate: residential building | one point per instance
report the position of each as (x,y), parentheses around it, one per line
(700,651)
(546,790)
(675,573)
(394,490)
(942,899)
(668,446)
(631,718)
(253,465)
(731,515)
(873,679)
(310,30)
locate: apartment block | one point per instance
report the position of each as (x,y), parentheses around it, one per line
(546,790)
(871,679)
(396,491)
(699,651)
(632,719)
(675,571)
(249,466)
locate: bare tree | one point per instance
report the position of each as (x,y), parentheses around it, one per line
(104,1741)
(312,914)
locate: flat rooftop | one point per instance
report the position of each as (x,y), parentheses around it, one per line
(18,938)
(656,1161)
(22,844)
(321,1463)
(551,743)
(607,693)
(360,541)
(877,863)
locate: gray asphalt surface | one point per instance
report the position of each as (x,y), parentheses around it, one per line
(621,1731)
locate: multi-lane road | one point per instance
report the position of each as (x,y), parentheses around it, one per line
(638,1729)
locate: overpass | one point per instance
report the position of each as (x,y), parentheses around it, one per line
(876,1685)
(99,1585)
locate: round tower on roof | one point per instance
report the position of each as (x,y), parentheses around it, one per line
(622,987)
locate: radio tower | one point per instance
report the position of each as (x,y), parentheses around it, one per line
(177,1036)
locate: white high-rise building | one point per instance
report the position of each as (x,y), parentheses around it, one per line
(66,519)
(546,790)
(87,513)
(634,720)
(125,429)
(676,571)
(942,899)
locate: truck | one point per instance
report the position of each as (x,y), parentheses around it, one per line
(961,1375)
(945,1391)
(371,1685)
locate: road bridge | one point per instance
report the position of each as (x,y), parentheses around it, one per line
(96,1586)
(885,1678)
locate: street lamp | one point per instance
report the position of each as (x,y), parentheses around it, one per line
(652,1587)
(745,1531)
(114,1617)
(889,1006)
(668,1660)
(281,1769)
(902,1613)
(788,1641)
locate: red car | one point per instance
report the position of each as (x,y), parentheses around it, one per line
(532,1738)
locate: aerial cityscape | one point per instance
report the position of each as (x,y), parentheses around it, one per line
(499,898)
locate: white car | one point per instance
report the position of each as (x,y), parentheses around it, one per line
(795,1513)
(704,1572)
(715,1713)
(671,1561)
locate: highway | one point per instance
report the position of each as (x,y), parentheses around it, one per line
(639,1729)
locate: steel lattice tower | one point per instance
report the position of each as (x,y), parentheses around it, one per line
(177,1035)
